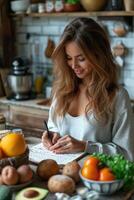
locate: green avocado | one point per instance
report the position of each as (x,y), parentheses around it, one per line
(5,193)
(35,193)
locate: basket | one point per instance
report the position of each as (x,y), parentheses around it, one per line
(16,161)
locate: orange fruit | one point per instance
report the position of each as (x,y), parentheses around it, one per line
(91,160)
(90,172)
(13,144)
(106,174)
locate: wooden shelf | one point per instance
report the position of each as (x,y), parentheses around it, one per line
(77,14)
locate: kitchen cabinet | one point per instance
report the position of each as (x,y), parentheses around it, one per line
(27,115)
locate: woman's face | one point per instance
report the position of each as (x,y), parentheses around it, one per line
(77,60)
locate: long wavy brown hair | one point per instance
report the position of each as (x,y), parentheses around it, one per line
(94,42)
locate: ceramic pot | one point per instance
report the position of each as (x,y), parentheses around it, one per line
(93,5)
(129,5)
(68,7)
(19,6)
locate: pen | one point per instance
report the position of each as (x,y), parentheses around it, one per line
(46,127)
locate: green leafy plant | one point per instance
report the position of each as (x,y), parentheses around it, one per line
(72,1)
(122,168)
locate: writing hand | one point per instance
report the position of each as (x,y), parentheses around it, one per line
(68,144)
(48,140)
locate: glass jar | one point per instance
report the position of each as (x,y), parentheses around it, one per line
(2,122)
(39,80)
(59,6)
(49,6)
(17,130)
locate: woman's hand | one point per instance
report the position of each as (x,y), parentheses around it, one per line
(49,141)
(68,144)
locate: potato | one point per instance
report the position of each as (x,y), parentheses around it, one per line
(25,173)
(47,168)
(61,183)
(9,175)
(71,169)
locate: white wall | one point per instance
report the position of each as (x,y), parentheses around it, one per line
(40,29)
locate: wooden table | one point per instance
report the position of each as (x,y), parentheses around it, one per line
(117,196)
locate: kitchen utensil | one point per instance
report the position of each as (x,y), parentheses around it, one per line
(20,80)
(50,48)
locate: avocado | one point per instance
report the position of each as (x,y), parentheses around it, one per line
(32,193)
(5,193)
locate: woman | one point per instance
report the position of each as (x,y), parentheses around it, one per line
(90,111)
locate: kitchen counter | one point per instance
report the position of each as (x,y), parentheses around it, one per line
(33,103)
(40,103)
(29,115)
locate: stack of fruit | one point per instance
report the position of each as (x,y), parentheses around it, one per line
(99,176)
(93,171)
(11,176)
(59,181)
(101,167)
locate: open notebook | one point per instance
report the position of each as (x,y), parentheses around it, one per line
(38,153)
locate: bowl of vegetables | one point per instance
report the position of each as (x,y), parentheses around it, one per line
(107,174)
(102,187)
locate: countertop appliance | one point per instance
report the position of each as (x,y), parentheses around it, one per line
(20,81)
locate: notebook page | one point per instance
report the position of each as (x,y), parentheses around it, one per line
(39,152)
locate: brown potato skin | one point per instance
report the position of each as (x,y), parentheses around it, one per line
(47,168)
(71,169)
(9,175)
(25,173)
(61,183)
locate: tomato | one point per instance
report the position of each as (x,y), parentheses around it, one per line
(106,174)
(91,160)
(90,172)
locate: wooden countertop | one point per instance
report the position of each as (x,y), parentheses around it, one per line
(128,195)
(41,103)
(33,103)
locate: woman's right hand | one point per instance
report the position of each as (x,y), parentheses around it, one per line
(49,141)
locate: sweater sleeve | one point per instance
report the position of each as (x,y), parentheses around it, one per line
(51,124)
(122,131)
